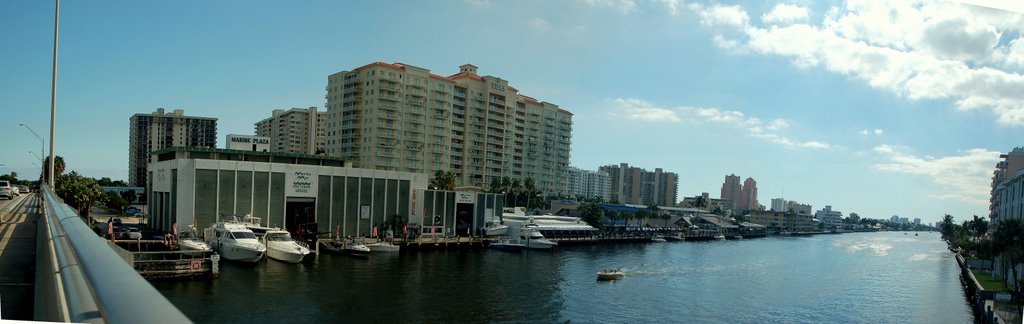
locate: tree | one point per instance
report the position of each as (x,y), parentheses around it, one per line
(114,201)
(1008,243)
(129,195)
(79,192)
(592,215)
(947,227)
(58,166)
(444,180)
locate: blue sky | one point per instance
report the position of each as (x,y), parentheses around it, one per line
(872,107)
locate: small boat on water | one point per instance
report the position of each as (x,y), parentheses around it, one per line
(495,228)
(346,246)
(610,274)
(383,247)
(535,240)
(508,246)
(675,237)
(719,237)
(657,239)
(188,241)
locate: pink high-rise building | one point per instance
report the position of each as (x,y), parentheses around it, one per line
(749,199)
(731,191)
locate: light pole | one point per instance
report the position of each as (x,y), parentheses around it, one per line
(40,168)
(40,138)
(53,90)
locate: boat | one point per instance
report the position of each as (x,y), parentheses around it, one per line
(189,242)
(234,241)
(281,246)
(675,237)
(383,247)
(509,246)
(719,237)
(610,274)
(533,239)
(657,239)
(495,228)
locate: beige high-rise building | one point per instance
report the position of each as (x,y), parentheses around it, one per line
(404,118)
(151,132)
(297,130)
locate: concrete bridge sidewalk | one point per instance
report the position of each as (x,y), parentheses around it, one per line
(18,257)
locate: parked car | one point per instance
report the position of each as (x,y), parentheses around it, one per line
(120,233)
(134,233)
(5,189)
(132,211)
(116,220)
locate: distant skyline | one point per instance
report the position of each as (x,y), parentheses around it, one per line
(871,107)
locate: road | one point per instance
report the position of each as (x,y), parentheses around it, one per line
(17,256)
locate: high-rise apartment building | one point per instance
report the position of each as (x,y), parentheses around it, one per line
(749,199)
(632,185)
(590,184)
(404,118)
(829,218)
(297,130)
(1006,169)
(796,207)
(731,191)
(779,204)
(151,132)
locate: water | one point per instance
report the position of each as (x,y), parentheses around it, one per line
(855,277)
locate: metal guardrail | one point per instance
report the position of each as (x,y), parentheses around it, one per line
(80,279)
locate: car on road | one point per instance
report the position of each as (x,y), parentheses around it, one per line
(6,190)
(24,188)
(15,191)
(134,233)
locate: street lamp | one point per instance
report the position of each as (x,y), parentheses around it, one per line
(40,138)
(40,168)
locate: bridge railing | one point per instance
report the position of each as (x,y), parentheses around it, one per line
(81,279)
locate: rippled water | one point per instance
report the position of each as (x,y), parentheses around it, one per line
(855,277)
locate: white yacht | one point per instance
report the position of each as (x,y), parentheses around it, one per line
(234,241)
(383,247)
(495,228)
(281,246)
(533,239)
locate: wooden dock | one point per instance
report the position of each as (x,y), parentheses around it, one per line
(158,259)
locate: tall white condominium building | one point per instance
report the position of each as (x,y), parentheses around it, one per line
(830,218)
(404,118)
(779,205)
(151,132)
(590,184)
(297,130)
(803,209)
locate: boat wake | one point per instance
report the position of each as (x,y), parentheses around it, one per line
(875,248)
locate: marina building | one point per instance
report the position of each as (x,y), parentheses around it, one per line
(632,185)
(247,143)
(151,132)
(201,186)
(297,130)
(400,117)
(591,184)
(705,202)
(779,204)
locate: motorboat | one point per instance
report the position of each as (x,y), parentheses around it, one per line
(346,247)
(383,247)
(495,228)
(189,242)
(533,239)
(234,241)
(508,246)
(281,246)
(719,237)
(675,237)
(610,274)
(356,249)
(657,239)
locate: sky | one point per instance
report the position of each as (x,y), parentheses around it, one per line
(876,107)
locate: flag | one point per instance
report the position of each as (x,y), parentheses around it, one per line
(298,232)
(175,227)
(337,230)
(375,231)
(405,230)
(110,229)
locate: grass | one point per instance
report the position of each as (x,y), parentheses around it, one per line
(987,282)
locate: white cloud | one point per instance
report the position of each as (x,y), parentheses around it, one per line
(777,124)
(963,177)
(875,131)
(935,50)
(625,6)
(719,15)
(540,24)
(636,109)
(786,14)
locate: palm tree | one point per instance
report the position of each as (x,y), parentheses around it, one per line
(516,188)
(947,227)
(444,180)
(1008,243)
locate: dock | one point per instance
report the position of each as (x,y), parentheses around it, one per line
(159,259)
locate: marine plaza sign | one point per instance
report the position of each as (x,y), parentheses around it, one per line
(300,183)
(248,143)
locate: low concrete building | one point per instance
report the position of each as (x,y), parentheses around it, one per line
(200,186)
(783,221)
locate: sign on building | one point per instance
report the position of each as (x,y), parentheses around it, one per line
(248,143)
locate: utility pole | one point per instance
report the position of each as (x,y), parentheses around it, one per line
(53,91)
